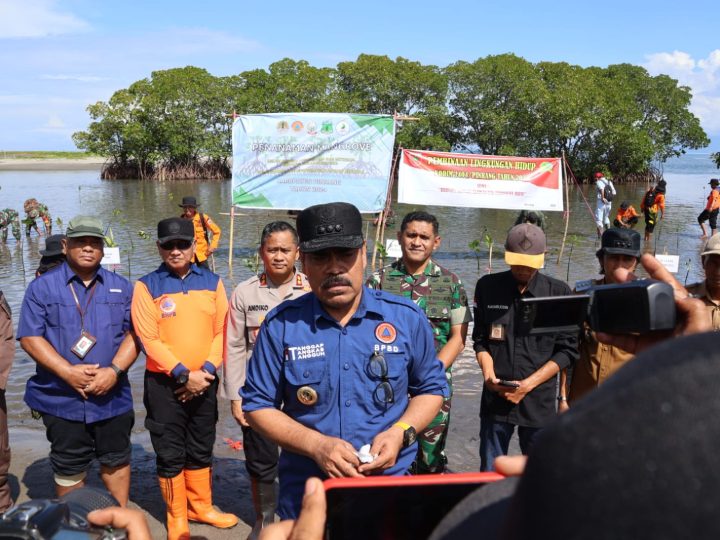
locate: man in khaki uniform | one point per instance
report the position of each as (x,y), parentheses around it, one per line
(620,248)
(7,351)
(249,305)
(709,290)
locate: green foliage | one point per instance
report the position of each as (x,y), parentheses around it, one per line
(716,158)
(618,118)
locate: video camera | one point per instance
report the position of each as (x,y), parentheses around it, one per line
(60,519)
(635,307)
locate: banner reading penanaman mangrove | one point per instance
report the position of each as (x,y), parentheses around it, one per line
(475,181)
(295,160)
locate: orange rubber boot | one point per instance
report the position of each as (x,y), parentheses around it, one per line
(174,494)
(199,497)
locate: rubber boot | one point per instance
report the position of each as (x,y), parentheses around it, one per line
(199,497)
(264,496)
(174,494)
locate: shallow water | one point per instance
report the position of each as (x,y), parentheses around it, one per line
(132,206)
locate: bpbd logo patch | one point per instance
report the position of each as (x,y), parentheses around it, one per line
(385,333)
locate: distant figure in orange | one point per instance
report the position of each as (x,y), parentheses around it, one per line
(626,217)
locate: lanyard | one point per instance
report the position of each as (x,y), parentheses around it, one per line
(81,311)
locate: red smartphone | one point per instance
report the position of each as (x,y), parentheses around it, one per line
(395,507)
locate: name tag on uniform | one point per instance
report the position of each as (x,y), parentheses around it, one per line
(83,345)
(497,332)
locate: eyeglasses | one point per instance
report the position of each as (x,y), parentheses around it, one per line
(378,368)
(171,245)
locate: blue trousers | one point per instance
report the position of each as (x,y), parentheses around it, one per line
(495,439)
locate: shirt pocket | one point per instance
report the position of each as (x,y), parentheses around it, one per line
(60,314)
(306,380)
(253,322)
(397,377)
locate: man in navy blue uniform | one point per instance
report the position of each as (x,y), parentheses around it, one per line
(75,324)
(341,367)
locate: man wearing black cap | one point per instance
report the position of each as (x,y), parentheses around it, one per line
(710,213)
(347,367)
(627,217)
(620,248)
(53,254)
(178,312)
(519,371)
(653,205)
(205,246)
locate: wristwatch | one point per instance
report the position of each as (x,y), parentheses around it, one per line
(409,434)
(183,377)
(119,372)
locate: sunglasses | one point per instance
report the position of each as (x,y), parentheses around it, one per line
(378,369)
(172,245)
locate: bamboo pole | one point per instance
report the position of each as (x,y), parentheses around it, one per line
(567,209)
(232,231)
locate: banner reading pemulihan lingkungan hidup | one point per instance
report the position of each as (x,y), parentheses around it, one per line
(291,161)
(476,181)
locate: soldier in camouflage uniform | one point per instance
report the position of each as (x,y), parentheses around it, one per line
(33,210)
(9,218)
(441,295)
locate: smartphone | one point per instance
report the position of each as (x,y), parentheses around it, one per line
(398,507)
(511,384)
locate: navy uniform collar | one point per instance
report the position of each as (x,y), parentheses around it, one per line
(163,269)
(69,275)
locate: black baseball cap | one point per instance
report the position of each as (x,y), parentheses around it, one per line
(331,225)
(175,228)
(616,241)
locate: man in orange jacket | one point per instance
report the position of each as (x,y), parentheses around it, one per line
(627,216)
(205,243)
(178,312)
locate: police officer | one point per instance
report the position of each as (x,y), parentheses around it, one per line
(75,324)
(441,295)
(249,305)
(179,313)
(341,367)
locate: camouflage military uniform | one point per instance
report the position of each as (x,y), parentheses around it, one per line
(441,295)
(9,218)
(34,210)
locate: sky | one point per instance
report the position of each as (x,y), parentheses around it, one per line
(59,56)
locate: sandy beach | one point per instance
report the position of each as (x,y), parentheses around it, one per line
(51,164)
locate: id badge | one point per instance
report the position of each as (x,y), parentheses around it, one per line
(83,345)
(497,332)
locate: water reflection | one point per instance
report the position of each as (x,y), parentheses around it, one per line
(132,206)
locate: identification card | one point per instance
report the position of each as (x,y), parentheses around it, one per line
(497,332)
(83,345)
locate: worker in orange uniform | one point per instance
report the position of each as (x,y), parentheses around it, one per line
(653,203)
(627,216)
(207,232)
(178,312)
(710,213)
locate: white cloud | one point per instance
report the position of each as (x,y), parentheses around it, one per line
(701,75)
(79,78)
(36,18)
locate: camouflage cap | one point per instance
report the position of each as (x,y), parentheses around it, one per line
(85,226)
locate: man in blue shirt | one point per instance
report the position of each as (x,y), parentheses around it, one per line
(75,323)
(349,366)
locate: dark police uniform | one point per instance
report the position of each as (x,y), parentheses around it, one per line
(302,350)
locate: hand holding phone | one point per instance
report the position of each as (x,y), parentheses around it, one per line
(509,384)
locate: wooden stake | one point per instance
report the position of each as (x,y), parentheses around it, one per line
(567,209)
(232,230)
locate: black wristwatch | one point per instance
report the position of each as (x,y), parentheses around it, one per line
(183,377)
(119,372)
(409,434)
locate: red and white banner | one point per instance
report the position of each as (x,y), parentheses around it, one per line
(475,181)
